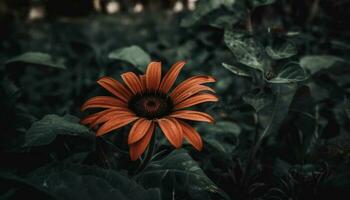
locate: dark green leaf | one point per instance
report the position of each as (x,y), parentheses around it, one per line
(318,62)
(223,127)
(178,174)
(222,136)
(273,115)
(203,9)
(38,58)
(45,130)
(290,73)
(272,108)
(225,20)
(347,107)
(246,50)
(281,168)
(236,70)
(71,181)
(23,186)
(134,55)
(257,3)
(258,101)
(285,50)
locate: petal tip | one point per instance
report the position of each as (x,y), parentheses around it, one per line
(212,79)
(182,62)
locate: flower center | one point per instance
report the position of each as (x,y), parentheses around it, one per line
(151,105)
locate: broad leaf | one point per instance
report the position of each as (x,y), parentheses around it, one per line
(224,20)
(281,168)
(71,181)
(134,55)
(258,101)
(178,175)
(257,3)
(237,70)
(203,9)
(37,58)
(44,131)
(273,115)
(347,107)
(246,50)
(290,73)
(319,62)
(22,186)
(285,50)
(222,128)
(272,108)
(222,136)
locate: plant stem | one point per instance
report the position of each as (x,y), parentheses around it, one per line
(313,11)
(248,23)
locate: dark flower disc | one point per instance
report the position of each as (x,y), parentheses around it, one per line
(151,105)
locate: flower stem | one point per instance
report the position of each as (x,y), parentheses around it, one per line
(249,26)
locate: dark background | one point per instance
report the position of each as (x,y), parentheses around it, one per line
(52,52)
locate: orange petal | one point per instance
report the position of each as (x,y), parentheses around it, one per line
(192,115)
(196,99)
(90,118)
(93,117)
(195,80)
(115,123)
(172,131)
(191,91)
(143,81)
(138,130)
(132,81)
(115,87)
(170,77)
(122,112)
(192,135)
(153,75)
(103,102)
(137,149)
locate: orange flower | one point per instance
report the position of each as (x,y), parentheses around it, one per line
(146,101)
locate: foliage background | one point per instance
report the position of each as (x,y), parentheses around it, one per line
(282,123)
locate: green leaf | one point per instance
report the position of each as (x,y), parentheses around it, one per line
(223,20)
(44,131)
(273,115)
(9,93)
(347,107)
(203,9)
(236,70)
(285,50)
(23,186)
(246,50)
(272,107)
(72,181)
(37,58)
(178,174)
(221,128)
(258,101)
(316,63)
(290,73)
(134,55)
(257,3)
(222,136)
(281,168)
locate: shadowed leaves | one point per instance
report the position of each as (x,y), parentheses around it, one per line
(134,55)
(37,58)
(45,130)
(178,175)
